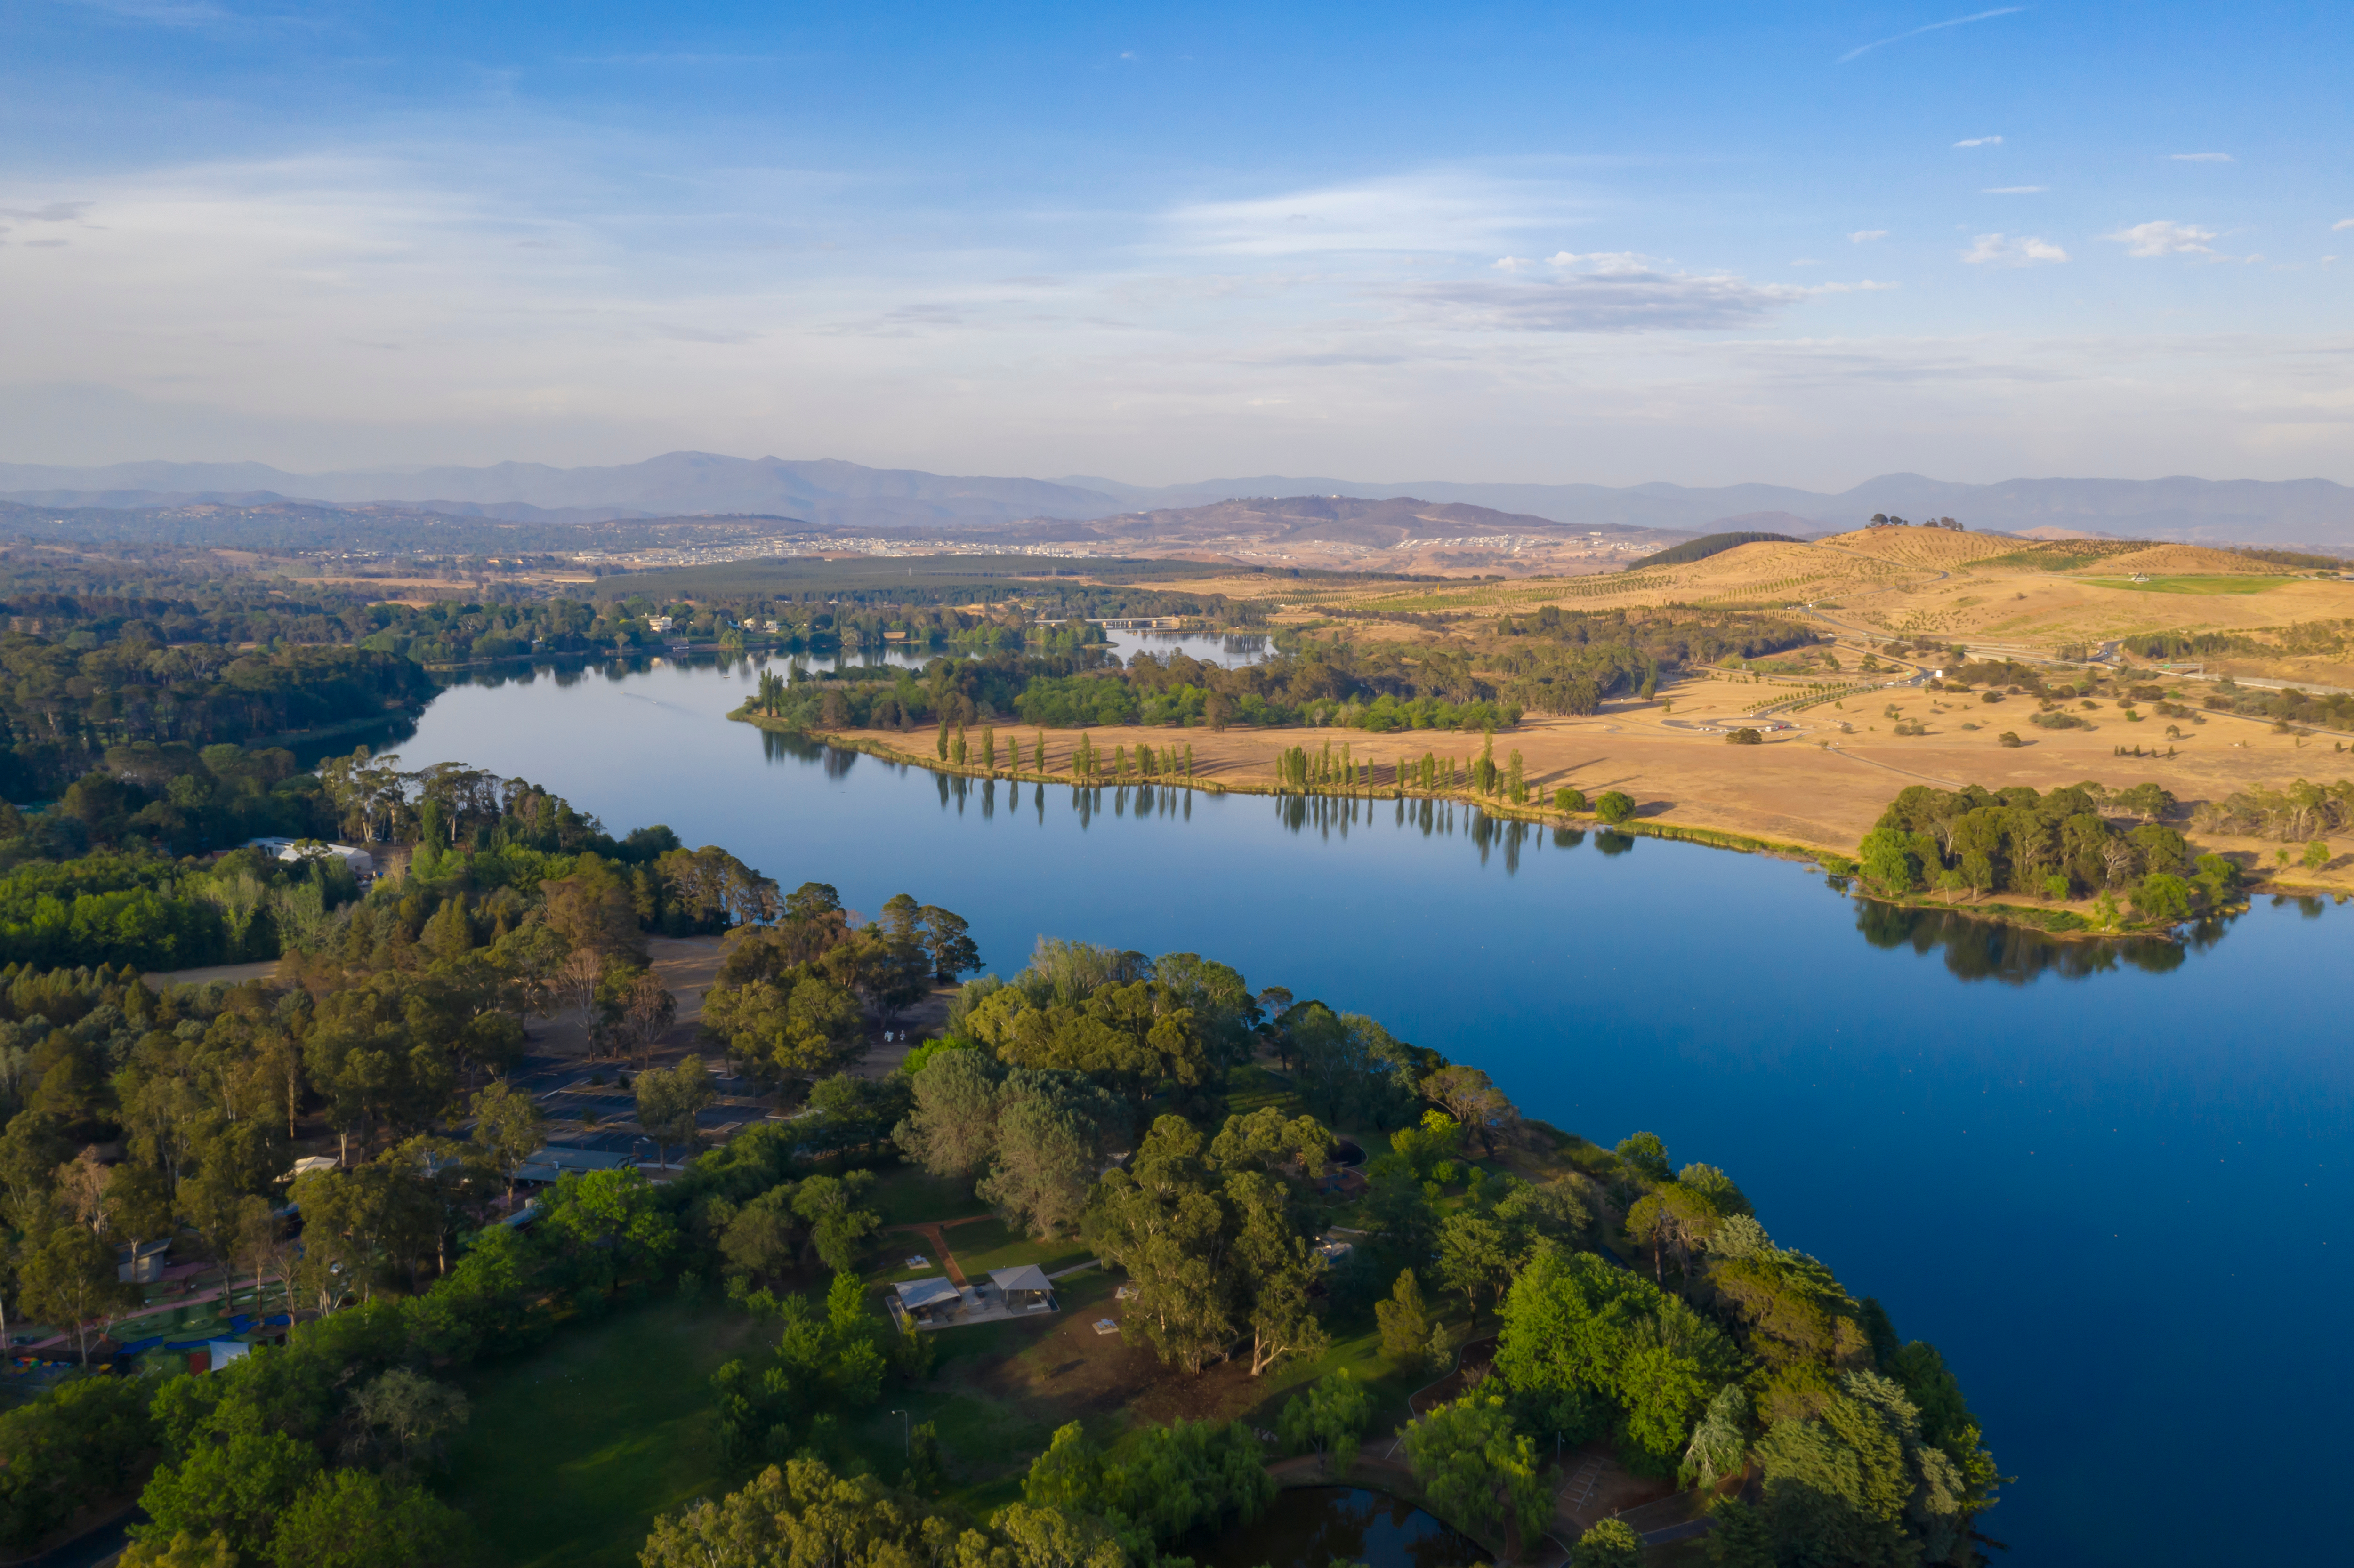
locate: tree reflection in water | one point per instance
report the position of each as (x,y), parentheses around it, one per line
(1987,950)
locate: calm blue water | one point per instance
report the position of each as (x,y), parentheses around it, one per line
(2115,1197)
(1210,648)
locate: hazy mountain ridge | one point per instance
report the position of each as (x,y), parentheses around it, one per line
(833,494)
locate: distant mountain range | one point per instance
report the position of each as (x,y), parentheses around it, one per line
(846,495)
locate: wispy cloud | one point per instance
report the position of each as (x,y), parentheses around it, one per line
(1862,286)
(2014,190)
(1604,292)
(2001,250)
(52,212)
(1932,27)
(1980,142)
(2163,238)
(163,13)
(2341,223)
(2200,157)
(699,334)
(671,59)
(1447,211)
(1866,235)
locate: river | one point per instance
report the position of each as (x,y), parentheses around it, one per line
(2108,1183)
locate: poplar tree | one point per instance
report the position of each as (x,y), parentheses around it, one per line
(989,749)
(958,748)
(941,746)
(1039,757)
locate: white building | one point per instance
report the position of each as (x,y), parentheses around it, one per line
(361,864)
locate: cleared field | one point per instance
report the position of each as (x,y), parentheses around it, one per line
(1929,549)
(574,1449)
(1821,785)
(1920,582)
(2194,584)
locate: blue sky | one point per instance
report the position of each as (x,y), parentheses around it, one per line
(1695,243)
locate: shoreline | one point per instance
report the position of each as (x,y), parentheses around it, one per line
(2057,923)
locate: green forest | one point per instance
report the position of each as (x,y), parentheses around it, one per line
(1551,661)
(2084,839)
(1158,1112)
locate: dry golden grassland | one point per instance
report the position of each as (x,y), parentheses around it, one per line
(1903,582)
(1824,781)
(1813,785)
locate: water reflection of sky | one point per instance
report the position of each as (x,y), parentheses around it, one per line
(2086,1183)
(1232,652)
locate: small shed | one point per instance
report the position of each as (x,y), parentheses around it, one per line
(1026,1289)
(929,1300)
(309,1162)
(140,1263)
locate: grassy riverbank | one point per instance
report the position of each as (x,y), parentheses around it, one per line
(2052,920)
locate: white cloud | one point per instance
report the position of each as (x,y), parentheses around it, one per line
(2001,250)
(1513,263)
(1608,291)
(1932,27)
(2014,190)
(1866,286)
(1806,261)
(163,13)
(2162,238)
(2341,223)
(1620,263)
(2200,157)
(1865,236)
(1980,141)
(1450,211)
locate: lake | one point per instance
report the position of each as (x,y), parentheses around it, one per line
(1230,649)
(2104,1182)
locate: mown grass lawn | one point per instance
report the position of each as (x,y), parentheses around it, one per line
(574,1448)
(989,1244)
(906,1195)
